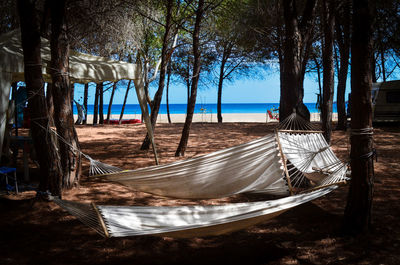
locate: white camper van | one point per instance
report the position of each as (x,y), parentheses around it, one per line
(386,101)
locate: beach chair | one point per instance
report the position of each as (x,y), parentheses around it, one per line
(272,116)
(5,171)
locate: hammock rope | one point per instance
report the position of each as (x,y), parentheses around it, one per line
(260,166)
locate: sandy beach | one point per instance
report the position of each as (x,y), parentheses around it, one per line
(211,117)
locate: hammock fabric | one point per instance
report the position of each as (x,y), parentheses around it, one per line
(288,161)
(183,221)
(248,167)
(251,167)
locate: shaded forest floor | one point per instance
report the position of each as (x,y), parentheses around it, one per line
(37,232)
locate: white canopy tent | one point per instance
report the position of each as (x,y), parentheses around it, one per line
(84,68)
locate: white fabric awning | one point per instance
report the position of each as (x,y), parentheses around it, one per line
(84,68)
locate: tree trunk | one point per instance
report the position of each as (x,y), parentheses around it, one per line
(62,91)
(125,98)
(319,96)
(164,61)
(328,20)
(359,202)
(295,55)
(343,38)
(111,102)
(220,84)
(195,80)
(96,104)
(50,103)
(167,94)
(382,54)
(101,103)
(85,102)
(49,161)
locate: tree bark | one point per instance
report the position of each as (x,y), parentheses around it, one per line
(167,94)
(96,104)
(85,102)
(111,102)
(359,202)
(195,80)
(163,69)
(296,47)
(101,103)
(125,98)
(343,39)
(50,103)
(328,20)
(49,161)
(62,90)
(225,56)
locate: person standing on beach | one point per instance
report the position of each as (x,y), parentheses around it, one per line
(81,112)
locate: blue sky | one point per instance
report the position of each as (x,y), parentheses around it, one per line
(248,90)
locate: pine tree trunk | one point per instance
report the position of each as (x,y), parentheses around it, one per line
(96,104)
(343,38)
(111,102)
(359,202)
(220,84)
(50,103)
(62,91)
(125,98)
(101,103)
(328,68)
(296,47)
(49,161)
(167,94)
(195,80)
(85,102)
(164,61)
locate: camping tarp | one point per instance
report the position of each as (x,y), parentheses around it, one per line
(84,68)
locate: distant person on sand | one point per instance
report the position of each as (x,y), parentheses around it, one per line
(81,112)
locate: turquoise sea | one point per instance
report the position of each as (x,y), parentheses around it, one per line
(209,108)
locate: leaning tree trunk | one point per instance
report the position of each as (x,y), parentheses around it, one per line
(342,26)
(328,20)
(164,61)
(111,102)
(195,80)
(48,158)
(167,92)
(96,104)
(62,91)
(125,98)
(85,102)
(359,202)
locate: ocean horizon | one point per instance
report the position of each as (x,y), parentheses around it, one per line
(201,108)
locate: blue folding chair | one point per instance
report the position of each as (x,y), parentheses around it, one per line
(5,171)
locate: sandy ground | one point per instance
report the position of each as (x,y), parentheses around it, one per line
(36,232)
(211,117)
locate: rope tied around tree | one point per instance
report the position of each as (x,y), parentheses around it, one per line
(367,131)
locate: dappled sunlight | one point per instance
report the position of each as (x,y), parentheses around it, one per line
(308,234)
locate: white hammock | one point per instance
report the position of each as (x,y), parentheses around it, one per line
(183,221)
(248,167)
(292,161)
(251,167)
